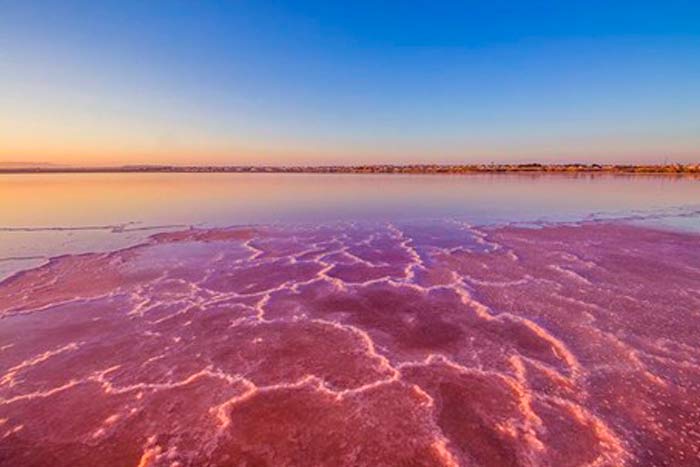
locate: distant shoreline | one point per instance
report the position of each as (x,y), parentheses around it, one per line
(534,168)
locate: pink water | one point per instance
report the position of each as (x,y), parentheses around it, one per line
(46,215)
(365,342)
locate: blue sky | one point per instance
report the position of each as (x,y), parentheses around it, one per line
(349,82)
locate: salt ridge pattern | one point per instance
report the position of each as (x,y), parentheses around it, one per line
(433,343)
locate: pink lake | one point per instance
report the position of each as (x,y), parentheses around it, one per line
(349,320)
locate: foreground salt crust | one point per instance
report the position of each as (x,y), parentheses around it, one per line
(358,344)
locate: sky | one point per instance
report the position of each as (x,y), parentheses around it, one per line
(320,82)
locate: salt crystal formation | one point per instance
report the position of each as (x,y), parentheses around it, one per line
(358,344)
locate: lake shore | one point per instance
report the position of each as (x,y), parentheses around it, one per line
(530,168)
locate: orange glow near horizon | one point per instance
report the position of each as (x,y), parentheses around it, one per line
(97,138)
(111,151)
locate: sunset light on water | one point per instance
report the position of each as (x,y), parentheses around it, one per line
(349,234)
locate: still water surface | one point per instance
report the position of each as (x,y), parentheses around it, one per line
(46,215)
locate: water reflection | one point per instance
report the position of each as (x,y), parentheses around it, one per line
(115,206)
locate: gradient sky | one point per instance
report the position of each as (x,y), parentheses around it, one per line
(286,82)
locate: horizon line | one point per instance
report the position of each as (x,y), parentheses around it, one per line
(416,168)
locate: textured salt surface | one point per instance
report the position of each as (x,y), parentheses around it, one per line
(358,344)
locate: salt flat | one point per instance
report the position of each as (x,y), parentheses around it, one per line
(358,343)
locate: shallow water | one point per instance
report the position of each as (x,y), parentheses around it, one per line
(46,215)
(465,321)
(421,343)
